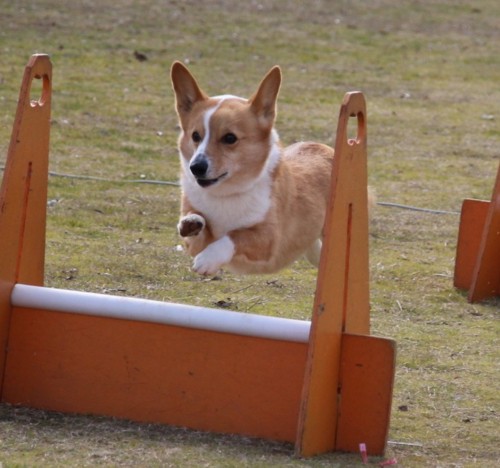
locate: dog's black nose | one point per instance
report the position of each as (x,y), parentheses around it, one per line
(199,166)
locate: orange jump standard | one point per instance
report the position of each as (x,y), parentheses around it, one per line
(477,264)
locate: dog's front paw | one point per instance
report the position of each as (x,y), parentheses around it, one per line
(214,256)
(191,225)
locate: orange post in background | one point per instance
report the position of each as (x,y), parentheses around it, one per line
(328,390)
(477,264)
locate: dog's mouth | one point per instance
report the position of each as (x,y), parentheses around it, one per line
(203,182)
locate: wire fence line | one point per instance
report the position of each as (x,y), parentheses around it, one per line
(177,184)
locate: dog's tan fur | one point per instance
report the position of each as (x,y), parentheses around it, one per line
(266,205)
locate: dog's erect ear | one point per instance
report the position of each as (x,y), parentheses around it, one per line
(263,102)
(187,91)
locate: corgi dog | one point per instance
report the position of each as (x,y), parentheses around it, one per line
(248,204)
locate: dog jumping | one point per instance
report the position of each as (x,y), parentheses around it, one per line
(248,204)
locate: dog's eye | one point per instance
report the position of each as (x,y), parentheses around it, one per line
(229,139)
(196,137)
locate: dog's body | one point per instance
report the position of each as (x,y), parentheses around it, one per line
(247,204)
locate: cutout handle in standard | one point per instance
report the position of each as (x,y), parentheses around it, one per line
(39,68)
(353,106)
(38,97)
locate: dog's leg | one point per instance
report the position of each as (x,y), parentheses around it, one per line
(250,245)
(196,233)
(216,254)
(191,225)
(313,253)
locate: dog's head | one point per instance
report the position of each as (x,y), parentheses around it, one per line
(226,142)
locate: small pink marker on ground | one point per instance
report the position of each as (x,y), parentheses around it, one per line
(364,454)
(364,457)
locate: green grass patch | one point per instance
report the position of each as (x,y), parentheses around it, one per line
(430,73)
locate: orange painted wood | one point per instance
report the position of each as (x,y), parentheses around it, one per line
(342,296)
(366,384)
(155,373)
(23,194)
(201,379)
(486,275)
(472,222)
(477,263)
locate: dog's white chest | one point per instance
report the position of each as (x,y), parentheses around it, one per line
(228,213)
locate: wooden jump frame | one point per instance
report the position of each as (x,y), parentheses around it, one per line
(477,264)
(324,385)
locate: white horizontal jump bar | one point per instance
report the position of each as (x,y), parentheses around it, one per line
(144,310)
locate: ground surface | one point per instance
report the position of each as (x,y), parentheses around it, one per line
(430,73)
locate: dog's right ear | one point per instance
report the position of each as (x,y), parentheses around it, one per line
(263,102)
(187,91)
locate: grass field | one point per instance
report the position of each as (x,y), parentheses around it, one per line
(430,73)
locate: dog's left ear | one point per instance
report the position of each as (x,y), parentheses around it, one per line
(263,102)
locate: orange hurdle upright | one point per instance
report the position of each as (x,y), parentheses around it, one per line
(349,374)
(23,194)
(323,385)
(477,264)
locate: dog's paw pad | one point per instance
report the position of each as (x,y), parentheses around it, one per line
(191,225)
